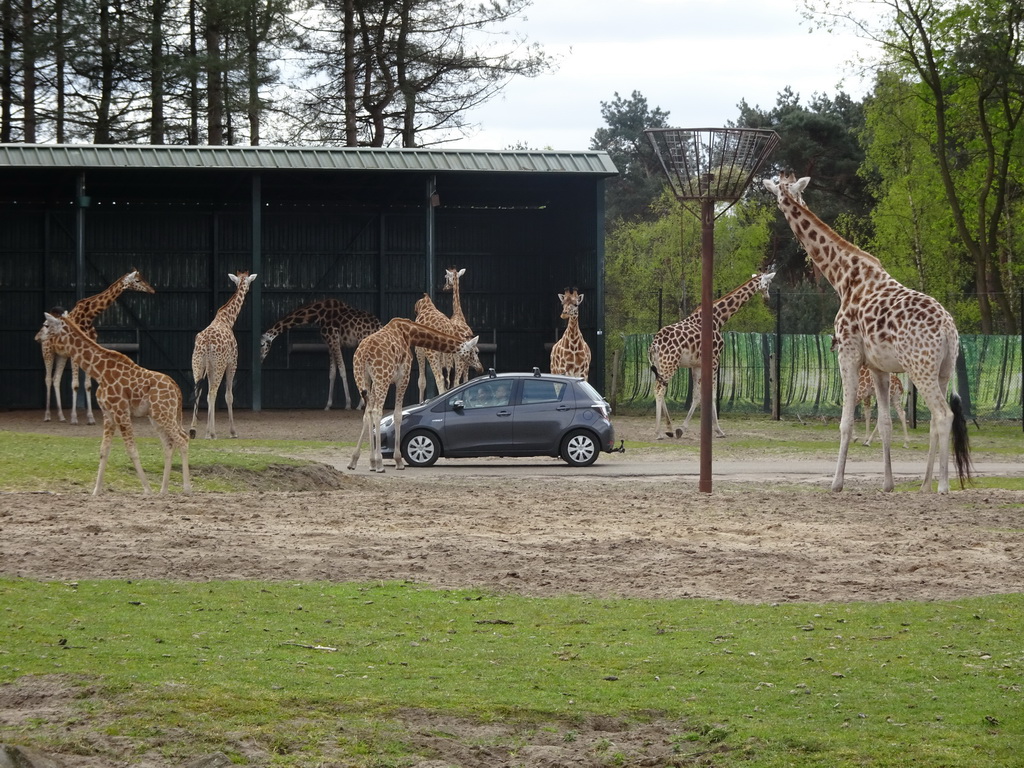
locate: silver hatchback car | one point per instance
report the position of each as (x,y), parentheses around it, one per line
(506,414)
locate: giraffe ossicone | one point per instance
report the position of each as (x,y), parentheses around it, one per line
(889,328)
(125,389)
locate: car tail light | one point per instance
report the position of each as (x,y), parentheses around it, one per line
(604,409)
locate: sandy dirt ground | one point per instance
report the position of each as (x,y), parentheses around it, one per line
(769,532)
(764,535)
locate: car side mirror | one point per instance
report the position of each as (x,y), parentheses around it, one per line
(458,405)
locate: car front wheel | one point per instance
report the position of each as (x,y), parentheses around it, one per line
(421,449)
(580,448)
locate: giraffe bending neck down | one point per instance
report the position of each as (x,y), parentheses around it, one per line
(889,328)
(84,313)
(215,358)
(441,364)
(385,358)
(123,390)
(341,327)
(570,355)
(678,346)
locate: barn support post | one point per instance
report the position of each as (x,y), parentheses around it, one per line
(82,202)
(256,301)
(433,200)
(600,351)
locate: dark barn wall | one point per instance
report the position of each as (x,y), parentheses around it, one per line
(358,236)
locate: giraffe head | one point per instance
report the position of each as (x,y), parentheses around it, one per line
(265,341)
(571,301)
(788,187)
(134,281)
(764,282)
(56,329)
(451,278)
(238,279)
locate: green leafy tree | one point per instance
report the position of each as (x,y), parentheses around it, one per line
(630,195)
(964,61)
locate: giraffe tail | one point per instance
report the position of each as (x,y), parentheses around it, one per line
(961,441)
(654,370)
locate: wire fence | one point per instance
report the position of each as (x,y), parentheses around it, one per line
(988,377)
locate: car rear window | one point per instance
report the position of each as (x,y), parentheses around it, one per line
(540,391)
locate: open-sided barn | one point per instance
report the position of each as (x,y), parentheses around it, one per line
(375,228)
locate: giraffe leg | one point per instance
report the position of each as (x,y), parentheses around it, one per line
(332,371)
(52,381)
(359,443)
(869,434)
(660,408)
(74,393)
(229,397)
(849,369)
(213,385)
(421,366)
(128,435)
(89,418)
(714,406)
(902,413)
(938,435)
(881,382)
(694,402)
(109,425)
(399,397)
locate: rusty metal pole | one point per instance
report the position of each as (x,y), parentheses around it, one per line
(707,390)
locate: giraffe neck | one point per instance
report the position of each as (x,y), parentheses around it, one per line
(729,305)
(457,303)
(842,263)
(87,354)
(228,314)
(572,327)
(311,314)
(420,335)
(88,309)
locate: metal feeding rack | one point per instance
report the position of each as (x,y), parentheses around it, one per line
(712,167)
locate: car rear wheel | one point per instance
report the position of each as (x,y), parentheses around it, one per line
(421,448)
(580,448)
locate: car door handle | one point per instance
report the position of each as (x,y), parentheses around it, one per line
(562,408)
(503,413)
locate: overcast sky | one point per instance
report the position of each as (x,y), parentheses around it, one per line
(695,60)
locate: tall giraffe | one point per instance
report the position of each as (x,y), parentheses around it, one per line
(215,357)
(889,328)
(441,363)
(84,313)
(452,276)
(866,393)
(124,389)
(341,327)
(678,346)
(570,355)
(385,358)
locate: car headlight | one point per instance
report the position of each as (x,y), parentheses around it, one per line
(387,421)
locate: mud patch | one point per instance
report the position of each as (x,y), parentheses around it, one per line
(283,477)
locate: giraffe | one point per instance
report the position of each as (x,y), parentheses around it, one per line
(678,346)
(441,363)
(866,392)
(341,327)
(384,358)
(889,328)
(124,389)
(570,355)
(84,313)
(215,357)
(462,363)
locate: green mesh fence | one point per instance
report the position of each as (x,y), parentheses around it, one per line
(988,377)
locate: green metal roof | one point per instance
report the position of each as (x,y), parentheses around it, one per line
(81,156)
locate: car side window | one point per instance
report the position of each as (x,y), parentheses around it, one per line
(540,391)
(487,394)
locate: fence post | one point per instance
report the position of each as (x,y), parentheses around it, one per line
(776,372)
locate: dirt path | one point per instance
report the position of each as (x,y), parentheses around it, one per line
(573,533)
